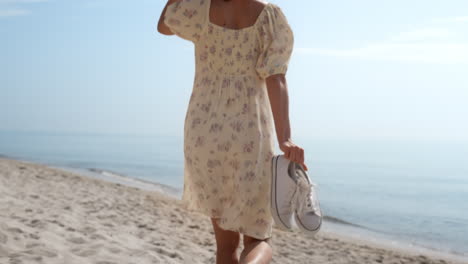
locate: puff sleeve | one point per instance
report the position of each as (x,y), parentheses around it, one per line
(277,44)
(186,18)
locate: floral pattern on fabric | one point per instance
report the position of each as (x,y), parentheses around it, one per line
(185,19)
(278,40)
(229,131)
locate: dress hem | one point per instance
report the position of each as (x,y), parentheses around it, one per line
(187,206)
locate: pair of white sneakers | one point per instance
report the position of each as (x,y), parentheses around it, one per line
(293,196)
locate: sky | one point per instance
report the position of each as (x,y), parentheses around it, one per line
(360,69)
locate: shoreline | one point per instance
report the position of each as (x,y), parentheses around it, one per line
(348,230)
(334,231)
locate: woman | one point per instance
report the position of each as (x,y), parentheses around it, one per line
(242,51)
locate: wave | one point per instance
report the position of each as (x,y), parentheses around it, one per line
(136,182)
(340,221)
(173,190)
(145,184)
(113,174)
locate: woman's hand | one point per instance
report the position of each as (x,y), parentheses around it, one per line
(293,152)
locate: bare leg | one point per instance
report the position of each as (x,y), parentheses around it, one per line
(256,251)
(227,243)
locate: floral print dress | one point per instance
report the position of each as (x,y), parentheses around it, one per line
(229,131)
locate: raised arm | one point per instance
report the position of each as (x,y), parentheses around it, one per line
(163,28)
(278,95)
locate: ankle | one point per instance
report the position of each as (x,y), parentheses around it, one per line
(227,257)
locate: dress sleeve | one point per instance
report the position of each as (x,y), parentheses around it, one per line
(277,44)
(186,18)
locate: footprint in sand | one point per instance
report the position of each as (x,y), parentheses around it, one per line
(14,259)
(34,244)
(41,252)
(76,240)
(34,236)
(114,250)
(37,223)
(108,224)
(146,227)
(157,243)
(83,252)
(163,251)
(97,236)
(89,229)
(15,230)
(56,222)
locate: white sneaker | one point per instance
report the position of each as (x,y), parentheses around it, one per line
(308,214)
(283,188)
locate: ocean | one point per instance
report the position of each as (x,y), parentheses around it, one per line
(411,192)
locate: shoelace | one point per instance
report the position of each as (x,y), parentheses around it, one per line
(301,197)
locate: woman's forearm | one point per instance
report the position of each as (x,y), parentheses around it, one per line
(279,101)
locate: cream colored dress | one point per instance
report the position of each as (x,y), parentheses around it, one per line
(229,131)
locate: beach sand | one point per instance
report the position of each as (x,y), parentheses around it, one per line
(49,215)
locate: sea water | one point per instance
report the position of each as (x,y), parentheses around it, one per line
(411,191)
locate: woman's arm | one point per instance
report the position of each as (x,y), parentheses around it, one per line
(163,28)
(278,94)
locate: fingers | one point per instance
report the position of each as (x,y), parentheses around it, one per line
(292,154)
(295,154)
(287,153)
(301,155)
(301,159)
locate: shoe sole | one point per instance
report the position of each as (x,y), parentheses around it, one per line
(274,204)
(305,229)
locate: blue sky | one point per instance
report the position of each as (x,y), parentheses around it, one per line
(360,69)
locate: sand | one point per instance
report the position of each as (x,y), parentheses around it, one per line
(49,215)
